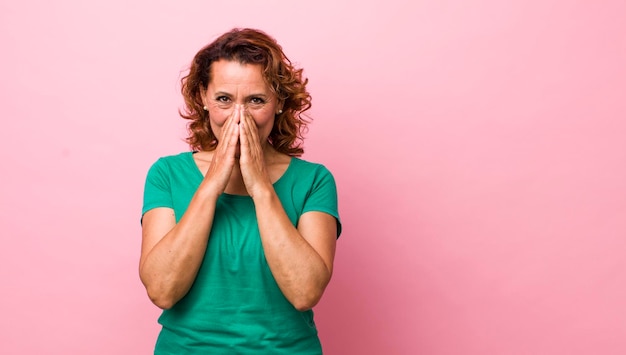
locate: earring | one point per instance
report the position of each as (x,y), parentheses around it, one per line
(280,111)
(205,108)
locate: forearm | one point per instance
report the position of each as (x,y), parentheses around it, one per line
(299,270)
(171,266)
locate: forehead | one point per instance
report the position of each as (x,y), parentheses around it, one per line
(225,73)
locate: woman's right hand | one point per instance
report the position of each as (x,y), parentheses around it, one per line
(224,155)
(171,252)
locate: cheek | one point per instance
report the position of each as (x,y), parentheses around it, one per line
(264,123)
(263,117)
(217,118)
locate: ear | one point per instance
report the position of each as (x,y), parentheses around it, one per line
(203,96)
(279,107)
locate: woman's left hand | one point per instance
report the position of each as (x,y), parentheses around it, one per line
(252,159)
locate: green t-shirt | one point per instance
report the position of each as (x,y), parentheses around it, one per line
(235,305)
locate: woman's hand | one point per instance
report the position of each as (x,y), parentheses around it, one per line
(252,159)
(224,157)
(300,259)
(171,253)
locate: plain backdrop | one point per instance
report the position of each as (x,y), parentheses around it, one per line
(479,148)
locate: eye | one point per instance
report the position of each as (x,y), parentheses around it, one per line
(222,99)
(257,100)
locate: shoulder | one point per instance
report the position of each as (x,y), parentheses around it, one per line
(305,165)
(308,168)
(174,160)
(304,172)
(165,166)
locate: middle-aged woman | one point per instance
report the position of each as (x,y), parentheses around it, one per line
(239,234)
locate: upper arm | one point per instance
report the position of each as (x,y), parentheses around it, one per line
(156,223)
(319,229)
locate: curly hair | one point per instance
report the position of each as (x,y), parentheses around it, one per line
(248,46)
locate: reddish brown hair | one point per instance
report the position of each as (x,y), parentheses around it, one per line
(248,46)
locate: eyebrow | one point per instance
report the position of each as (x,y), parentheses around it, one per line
(223,93)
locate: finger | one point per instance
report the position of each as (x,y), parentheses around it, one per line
(232,131)
(250,127)
(243,133)
(253,147)
(226,146)
(249,138)
(236,115)
(232,120)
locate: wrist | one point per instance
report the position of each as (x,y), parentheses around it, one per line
(208,191)
(265,193)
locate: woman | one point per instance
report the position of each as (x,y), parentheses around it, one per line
(239,235)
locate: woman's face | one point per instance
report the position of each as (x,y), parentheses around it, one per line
(235,83)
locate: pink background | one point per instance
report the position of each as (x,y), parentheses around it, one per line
(479,147)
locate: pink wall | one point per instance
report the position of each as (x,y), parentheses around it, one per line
(479,147)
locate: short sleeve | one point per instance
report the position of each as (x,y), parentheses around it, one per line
(323,196)
(157,191)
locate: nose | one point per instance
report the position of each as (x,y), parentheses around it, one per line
(243,108)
